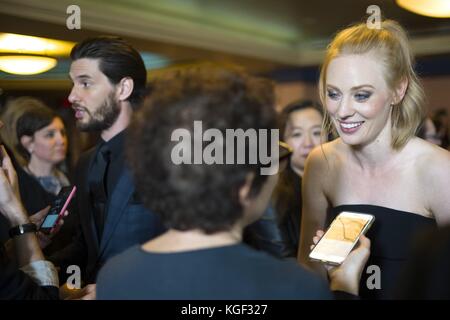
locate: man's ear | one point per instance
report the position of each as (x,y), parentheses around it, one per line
(400,91)
(244,191)
(27,143)
(125,88)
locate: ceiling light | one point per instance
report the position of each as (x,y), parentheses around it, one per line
(429,8)
(10,42)
(24,64)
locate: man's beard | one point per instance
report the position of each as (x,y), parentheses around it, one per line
(102,118)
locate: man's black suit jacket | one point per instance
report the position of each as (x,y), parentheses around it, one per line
(127,223)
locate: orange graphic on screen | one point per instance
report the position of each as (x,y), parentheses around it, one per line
(346,229)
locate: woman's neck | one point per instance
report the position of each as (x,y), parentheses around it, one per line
(298,171)
(377,153)
(40,168)
(179,241)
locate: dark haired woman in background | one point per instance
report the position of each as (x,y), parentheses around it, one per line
(278,230)
(300,123)
(42,142)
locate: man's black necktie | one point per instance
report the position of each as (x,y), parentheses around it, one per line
(99,187)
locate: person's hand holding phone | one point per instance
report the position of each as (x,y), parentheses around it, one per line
(38,218)
(346,277)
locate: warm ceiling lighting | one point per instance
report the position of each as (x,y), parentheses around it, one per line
(17,43)
(429,8)
(26,64)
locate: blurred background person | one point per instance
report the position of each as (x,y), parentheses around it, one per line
(40,146)
(13,110)
(427,131)
(441,121)
(301,125)
(278,230)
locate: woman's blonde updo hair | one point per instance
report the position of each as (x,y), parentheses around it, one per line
(390,45)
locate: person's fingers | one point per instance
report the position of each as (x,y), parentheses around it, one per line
(319,234)
(57,228)
(39,216)
(89,296)
(8,167)
(364,242)
(363,248)
(316,239)
(88,292)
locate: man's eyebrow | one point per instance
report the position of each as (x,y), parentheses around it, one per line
(81,77)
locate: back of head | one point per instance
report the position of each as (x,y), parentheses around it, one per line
(197,196)
(32,120)
(390,46)
(117,60)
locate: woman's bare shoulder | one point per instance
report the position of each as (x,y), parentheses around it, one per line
(323,160)
(428,156)
(431,164)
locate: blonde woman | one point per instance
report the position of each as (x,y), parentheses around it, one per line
(373,99)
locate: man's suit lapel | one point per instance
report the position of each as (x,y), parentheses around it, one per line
(119,199)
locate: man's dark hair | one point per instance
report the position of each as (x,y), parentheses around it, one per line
(117,60)
(197,196)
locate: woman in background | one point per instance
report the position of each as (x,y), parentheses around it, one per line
(277,231)
(42,142)
(301,124)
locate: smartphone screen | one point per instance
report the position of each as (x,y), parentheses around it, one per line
(57,209)
(341,237)
(50,221)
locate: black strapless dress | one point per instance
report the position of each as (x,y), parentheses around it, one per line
(391,237)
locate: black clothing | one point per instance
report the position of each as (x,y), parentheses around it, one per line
(125,221)
(278,230)
(427,276)
(16,285)
(391,237)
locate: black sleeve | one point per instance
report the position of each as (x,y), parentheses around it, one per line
(427,273)
(265,234)
(73,254)
(17,285)
(342,295)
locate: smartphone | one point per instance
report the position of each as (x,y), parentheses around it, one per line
(340,238)
(56,212)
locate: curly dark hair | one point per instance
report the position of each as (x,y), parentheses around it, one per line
(117,60)
(197,196)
